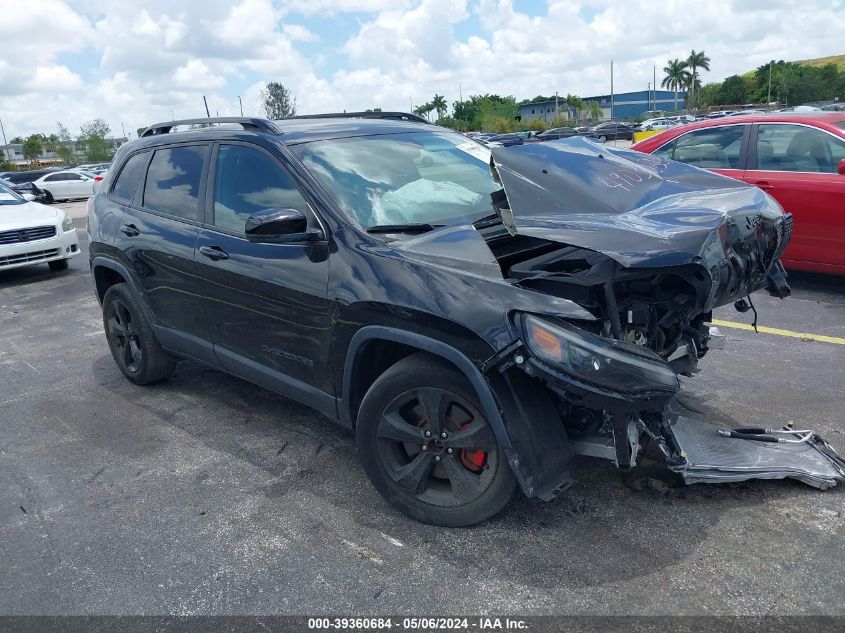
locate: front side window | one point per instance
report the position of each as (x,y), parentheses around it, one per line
(419,177)
(173,181)
(797,148)
(127,182)
(710,148)
(248,181)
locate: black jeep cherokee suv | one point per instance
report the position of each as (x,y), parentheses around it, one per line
(476,318)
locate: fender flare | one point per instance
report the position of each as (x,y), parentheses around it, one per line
(432,346)
(119,268)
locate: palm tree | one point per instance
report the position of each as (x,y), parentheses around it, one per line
(696,61)
(575,104)
(439,104)
(424,110)
(594,111)
(676,76)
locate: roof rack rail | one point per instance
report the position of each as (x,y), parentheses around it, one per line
(402,116)
(254,124)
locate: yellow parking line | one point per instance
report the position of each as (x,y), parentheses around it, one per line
(773,330)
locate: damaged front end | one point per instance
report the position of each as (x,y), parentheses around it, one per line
(648,248)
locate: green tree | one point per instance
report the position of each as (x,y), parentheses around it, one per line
(734,91)
(92,138)
(64,145)
(676,76)
(440,106)
(277,102)
(575,105)
(594,111)
(16,140)
(32,147)
(695,61)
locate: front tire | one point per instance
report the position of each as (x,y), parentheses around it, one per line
(427,447)
(48,197)
(131,340)
(57,265)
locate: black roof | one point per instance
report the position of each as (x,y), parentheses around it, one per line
(290,131)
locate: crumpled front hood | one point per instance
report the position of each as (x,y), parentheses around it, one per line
(641,210)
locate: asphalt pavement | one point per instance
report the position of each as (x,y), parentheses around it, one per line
(208,495)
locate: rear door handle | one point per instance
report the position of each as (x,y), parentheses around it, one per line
(130,230)
(765,186)
(214,253)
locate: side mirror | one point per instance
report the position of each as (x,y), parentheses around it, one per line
(279,226)
(841,170)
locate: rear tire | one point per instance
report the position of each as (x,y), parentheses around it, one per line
(462,477)
(58,264)
(131,340)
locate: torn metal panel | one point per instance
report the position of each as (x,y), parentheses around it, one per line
(712,458)
(635,208)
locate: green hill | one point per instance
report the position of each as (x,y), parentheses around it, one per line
(839,60)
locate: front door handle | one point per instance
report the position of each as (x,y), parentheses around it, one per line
(130,230)
(214,253)
(765,186)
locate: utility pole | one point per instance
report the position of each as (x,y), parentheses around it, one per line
(769,97)
(123,128)
(461,92)
(205,101)
(241,103)
(649,95)
(557,109)
(4,132)
(655,86)
(611,90)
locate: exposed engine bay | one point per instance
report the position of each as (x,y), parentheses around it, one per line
(666,245)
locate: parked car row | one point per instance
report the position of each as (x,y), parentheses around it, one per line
(51,184)
(799,159)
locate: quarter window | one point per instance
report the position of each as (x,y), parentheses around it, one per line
(173,181)
(710,148)
(249,181)
(798,148)
(130,175)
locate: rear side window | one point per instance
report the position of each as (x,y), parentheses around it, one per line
(798,148)
(127,182)
(173,181)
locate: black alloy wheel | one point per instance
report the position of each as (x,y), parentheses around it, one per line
(131,341)
(124,337)
(428,448)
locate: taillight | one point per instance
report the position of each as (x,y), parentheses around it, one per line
(97,178)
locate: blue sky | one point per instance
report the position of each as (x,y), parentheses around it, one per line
(133,62)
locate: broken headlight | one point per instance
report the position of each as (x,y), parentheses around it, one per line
(607,363)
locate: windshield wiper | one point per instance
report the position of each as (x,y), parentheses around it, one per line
(487,220)
(401,228)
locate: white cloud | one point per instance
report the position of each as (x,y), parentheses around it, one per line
(147,59)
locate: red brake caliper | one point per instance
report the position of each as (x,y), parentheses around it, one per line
(472,460)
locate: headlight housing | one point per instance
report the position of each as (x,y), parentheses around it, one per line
(67,223)
(610,364)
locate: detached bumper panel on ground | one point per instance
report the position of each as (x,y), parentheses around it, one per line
(712,458)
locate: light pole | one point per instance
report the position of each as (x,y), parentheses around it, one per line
(769,97)
(241,104)
(649,95)
(611,90)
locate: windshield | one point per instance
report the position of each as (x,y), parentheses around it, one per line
(8,197)
(421,177)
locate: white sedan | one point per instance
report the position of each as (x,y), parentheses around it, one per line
(33,233)
(65,185)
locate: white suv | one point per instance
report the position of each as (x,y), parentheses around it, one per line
(33,233)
